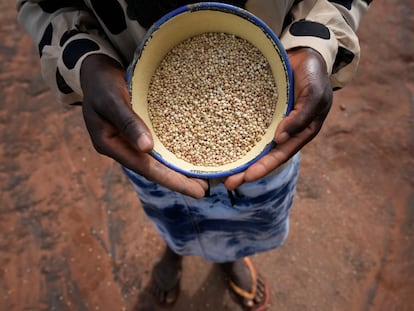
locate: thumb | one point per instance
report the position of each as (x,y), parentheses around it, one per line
(295,122)
(131,126)
(135,130)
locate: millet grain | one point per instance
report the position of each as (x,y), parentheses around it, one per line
(211,99)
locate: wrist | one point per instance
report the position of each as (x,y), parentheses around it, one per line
(95,65)
(306,52)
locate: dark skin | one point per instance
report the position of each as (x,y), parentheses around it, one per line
(313,100)
(117,132)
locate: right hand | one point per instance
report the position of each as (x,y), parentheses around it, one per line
(313,100)
(116,131)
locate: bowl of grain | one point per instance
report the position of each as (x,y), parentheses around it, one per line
(212,82)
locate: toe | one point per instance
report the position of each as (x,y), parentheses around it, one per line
(171,296)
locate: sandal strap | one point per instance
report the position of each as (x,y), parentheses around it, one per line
(253,275)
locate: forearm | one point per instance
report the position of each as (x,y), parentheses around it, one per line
(65,36)
(329,28)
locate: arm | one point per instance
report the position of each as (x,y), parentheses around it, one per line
(328,27)
(65,36)
(80,65)
(323,50)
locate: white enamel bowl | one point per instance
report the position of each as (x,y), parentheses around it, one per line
(186,22)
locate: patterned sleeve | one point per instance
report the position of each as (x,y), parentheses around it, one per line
(328,27)
(65,34)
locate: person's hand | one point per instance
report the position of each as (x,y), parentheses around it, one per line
(313,99)
(116,131)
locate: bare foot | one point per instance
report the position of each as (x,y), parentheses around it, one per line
(166,275)
(247,286)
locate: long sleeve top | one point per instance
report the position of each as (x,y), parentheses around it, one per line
(67,31)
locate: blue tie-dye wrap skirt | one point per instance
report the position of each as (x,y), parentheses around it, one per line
(223,226)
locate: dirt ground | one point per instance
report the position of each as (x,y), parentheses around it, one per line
(73,235)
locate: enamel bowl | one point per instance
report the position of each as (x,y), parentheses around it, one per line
(186,22)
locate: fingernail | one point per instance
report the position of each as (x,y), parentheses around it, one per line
(144,142)
(282,138)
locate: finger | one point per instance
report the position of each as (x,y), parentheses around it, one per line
(279,155)
(276,157)
(307,108)
(106,96)
(135,130)
(313,94)
(234,181)
(307,116)
(145,165)
(202,182)
(108,141)
(167,177)
(120,113)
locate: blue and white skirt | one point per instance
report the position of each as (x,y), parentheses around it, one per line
(223,226)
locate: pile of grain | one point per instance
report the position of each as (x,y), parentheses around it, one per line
(212,98)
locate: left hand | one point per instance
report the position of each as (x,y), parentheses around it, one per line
(117,132)
(313,99)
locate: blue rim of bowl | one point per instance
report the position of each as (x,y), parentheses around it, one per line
(228,8)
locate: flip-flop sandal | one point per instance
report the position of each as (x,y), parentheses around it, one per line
(168,287)
(241,295)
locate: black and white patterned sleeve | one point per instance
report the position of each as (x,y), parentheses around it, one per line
(65,34)
(330,28)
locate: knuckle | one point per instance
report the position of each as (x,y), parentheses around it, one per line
(129,126)
(302,119)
